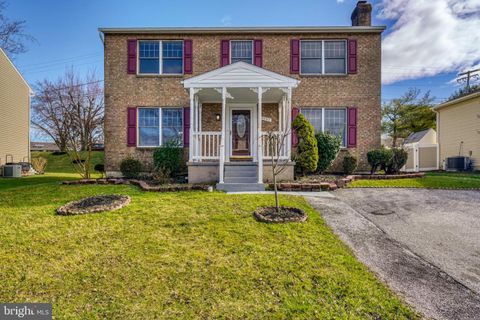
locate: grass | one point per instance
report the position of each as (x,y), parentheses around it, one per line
(432,180)
(62,163)
(188,255)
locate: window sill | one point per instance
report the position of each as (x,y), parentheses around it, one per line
(159,75)
(324,75)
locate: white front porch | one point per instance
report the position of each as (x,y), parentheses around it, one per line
(221,98)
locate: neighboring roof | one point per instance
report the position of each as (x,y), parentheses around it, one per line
(240,74)
(34,146)
(416,136)
(458,100)
(15,68)
(210,30)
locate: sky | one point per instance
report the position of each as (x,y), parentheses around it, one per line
(427,42)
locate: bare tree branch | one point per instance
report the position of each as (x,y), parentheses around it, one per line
(12,34)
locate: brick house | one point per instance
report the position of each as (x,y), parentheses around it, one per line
(220,90)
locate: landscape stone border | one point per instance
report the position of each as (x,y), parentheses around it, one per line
(300,216)
(341,183)
(94,204)
(144,185)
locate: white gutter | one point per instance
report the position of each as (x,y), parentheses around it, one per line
(236,30)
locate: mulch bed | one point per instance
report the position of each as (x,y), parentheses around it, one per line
(334,182)
(285,214)
(94,204)
(144,185)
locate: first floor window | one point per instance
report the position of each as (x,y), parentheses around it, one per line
(157,126)
(160,57)
(148,127)
(241,51)
(172,125)
(331,120)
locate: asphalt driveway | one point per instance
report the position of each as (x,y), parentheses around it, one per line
(424,243)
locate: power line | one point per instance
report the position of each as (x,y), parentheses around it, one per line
(58,60)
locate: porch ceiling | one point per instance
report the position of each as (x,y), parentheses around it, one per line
(240,95)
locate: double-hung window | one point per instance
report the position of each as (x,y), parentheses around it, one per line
(160,57)
(331,120)
(241,50)
(319,57)
(157,126)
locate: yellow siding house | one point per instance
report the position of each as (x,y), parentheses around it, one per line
(458,128)
(15,96)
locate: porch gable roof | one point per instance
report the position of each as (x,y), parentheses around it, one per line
(239,75)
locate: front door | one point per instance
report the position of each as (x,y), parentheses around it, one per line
(241,133)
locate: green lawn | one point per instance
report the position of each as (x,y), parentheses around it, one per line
(432,180)
(62,163)
(185,255)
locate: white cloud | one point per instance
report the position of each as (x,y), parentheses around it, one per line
(340,1)
(226,20)
(429,37)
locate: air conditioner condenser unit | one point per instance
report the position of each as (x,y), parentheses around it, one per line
(12,171)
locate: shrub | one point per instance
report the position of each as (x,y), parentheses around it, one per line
(168,159)
(307,150)
(376,158)
(39,164)
(130,167)
(398,158)
(389,160)
(58,153)
(100,168)
(328,148)
(349,163)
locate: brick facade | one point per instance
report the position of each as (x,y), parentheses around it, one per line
(122,90)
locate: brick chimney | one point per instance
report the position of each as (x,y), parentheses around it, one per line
(362,14)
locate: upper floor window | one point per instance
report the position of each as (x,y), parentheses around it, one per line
(157,126)
(241,50)
(323,57)
(333,121)
(160,57)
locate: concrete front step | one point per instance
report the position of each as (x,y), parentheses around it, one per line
(241,169)
(235,187)
(230,179)
(252,174)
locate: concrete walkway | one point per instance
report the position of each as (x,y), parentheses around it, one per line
(425,244)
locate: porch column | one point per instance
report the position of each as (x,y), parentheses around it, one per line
(289,123)
(192,128)
(222,139)
(260,139)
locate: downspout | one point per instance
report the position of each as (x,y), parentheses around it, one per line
(438,137)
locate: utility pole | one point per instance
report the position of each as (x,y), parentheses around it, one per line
(466,76)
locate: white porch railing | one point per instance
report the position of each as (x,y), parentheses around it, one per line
(206,145)
(277,149)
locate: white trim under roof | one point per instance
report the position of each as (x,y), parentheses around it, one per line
(237,30)
(457,100)
(240,75)
(14,67)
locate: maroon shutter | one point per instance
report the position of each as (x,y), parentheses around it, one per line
(295,112)
(186,126)
(224,53)
(352,56)
(294,56)
(352,128)
(258,53)
(132,56)
(187,56)
(131,127)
